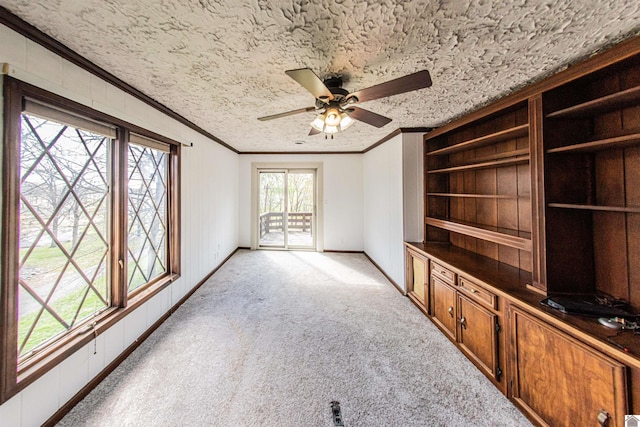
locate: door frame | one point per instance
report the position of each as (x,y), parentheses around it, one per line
(317,167)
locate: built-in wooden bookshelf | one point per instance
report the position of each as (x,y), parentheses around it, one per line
(592,183)
(478,186)
(538,195)
(586,178)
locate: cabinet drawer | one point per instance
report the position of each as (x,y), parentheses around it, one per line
(478,293)
(443,273)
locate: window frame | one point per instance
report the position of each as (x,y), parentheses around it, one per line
(18,375)
(154,145)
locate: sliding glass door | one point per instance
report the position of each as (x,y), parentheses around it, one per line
(271,209)
(286,209)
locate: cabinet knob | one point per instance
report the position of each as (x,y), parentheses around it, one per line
(603,418)
(463,322)
(450,311)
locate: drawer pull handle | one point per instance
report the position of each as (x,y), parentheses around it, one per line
(450,311)
(444,273)
(473,291)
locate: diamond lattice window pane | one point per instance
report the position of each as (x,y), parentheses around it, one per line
(147,241)
(63,229)
(43,328)
(68,296)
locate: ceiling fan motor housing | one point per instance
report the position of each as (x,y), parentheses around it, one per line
(340,95)
(333,82)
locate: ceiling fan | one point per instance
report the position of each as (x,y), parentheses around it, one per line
(335,104)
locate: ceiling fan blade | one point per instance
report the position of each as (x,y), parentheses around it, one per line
(288,113)
(314,131)
(311,82)
(414,81)
(368,117)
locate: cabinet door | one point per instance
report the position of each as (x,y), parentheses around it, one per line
(443,308)
(558,380)
(477,335)
(417,277)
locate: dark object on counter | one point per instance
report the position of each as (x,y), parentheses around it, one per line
(585,306)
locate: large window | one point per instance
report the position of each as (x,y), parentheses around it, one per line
(89,227)
(63,240)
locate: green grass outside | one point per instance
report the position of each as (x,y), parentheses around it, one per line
(90,252)
(48,327)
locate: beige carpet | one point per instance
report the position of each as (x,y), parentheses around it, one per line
(273,337)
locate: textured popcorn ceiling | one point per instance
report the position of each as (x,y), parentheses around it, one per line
(221,63)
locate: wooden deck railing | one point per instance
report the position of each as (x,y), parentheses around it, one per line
(273,221)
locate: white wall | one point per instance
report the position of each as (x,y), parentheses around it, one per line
(413,186)
(209,220)
(342,190)
(393,201)
(383,228)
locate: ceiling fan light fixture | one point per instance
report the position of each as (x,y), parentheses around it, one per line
(332,117)
(345,121)
(318,123)
(332,121)
(331,129)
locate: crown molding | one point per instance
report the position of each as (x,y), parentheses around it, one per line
(32,33)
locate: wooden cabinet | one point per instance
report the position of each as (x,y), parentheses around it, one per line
(536,195)
(478,327)
(417,278)
(458,311)
(478,336)
(491,317)
(558,381)
(443,308)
